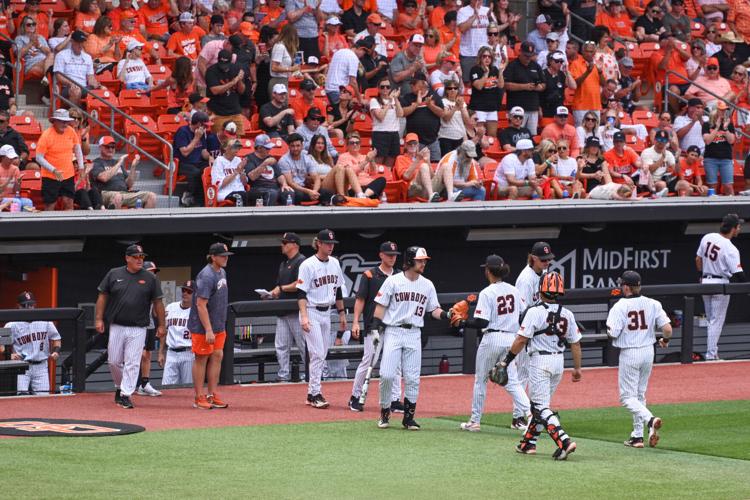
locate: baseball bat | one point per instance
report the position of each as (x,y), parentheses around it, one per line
(366,385)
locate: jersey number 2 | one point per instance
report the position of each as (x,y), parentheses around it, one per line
(506,305)
(712,251)
(186,335)
(637,320)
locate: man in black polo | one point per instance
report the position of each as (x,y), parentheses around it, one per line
(10,136)
(515,131)
(225,83)
(369,285)
(288,330)
(125,297)
(523,84)
(423,109)
(729,57)
(354,20)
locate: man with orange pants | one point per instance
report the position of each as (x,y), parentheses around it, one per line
(207,326)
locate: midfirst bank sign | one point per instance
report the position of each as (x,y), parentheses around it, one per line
(600,268)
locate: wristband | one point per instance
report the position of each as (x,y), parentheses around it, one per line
(509,358)
(443,315)
(56,349)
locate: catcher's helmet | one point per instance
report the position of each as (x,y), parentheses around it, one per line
(412,254)
(551,284)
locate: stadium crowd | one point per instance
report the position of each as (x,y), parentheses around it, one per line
(355,102)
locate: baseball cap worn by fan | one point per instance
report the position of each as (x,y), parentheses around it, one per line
(199,117)
(542,250)
(106,140)
(230,129)
(279,88)
(26,298)
(493,261)
(291,238)
(313,114)
(618,137)
(528,48)
(524,145)
(542,19)
(367,42)
(78,36)
(661,136)
(389,248)
(376,19)
(411,137)
(327,236)
(593,141)
(552,36)
(186,17)
(627,62)
(307,85)
(630,278)
(188,285)
(8,151)
(134,250)
(225,60)
(219,249)
(694,101)
(468,148)
(561,111)
(263,141)
(517,111)
(417,38)
(217,19)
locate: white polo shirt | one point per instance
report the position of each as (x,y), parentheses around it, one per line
(75,67)
(512,165)
(344,64)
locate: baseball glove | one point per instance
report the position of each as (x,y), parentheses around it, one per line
(499,374)
(459,312)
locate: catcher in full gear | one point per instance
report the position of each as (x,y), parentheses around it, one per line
(545,330)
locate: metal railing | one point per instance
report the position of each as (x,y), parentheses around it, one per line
(169,167)
(17,64)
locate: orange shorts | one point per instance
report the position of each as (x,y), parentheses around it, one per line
(201,348)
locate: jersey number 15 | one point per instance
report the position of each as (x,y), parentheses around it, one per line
(712,251)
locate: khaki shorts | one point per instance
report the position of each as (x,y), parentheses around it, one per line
(128,197)
(416,189)
(523,191)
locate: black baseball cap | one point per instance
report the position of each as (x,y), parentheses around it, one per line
(418,76)
(327,236)
(630,278)
(694,101)
(528,48)
(25,298)
(618,137)
(314,113)
(493,261)
(199,117)
(661,136)
(225,59)
(593,141)
(731,221)
(188,285)
(307,85)
(389,248)
(694,149)
(217,19)
(135,250)
(291,238)
(78,36)
(150,265)
(219,249)
(542,250)
(367,42)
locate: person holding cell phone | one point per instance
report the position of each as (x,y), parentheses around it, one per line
(719,136)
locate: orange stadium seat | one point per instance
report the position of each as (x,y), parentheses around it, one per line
(211,192)
(395,191)
(646,117)
(27,126)
(136,102)
(137,135)
(99,110)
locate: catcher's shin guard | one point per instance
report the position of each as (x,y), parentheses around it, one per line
(553,427)
(530,435)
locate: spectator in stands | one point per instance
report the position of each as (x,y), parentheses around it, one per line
(10,180)
(712,39)
(305,19)
(262,93)
(524,83)
(507,21)
(192,144)
(7,95)
(276,117)
(33,50)
(538,37)
(661,164)
(690,172)
(341,116)
(450,35)
(153,19)
(103,46)
(364,168)
(561,129)
(589,127)
(306,101)
(710,82)
(588,95)
(374,66)
(665,125)
(729,57)
(432,49)
(87,15)
(224,85)
(564,182)
(673,57)
(208,56)
(314,125)
(623,162)
(354,20)
(592,167)
(180,85)
(33,10)
(332,39)
(446,71)
(333,178)
(616,20)
(199,10)
(738,19)
(9,136)
(412,20)
(61,33)
(264,176)
(498,42)
(273,14)
(556,79)
(132,71)
(186,41)
(300,171)
(585,9)
(719,137)
(677,22)
(82,128)
(515,130)
(407,64)
(386,110)
(215,30)
(388,10)
(473,21)
(515,176)
(88,197)
(442,7)
(612,191)
(56,149)
(413,167)
(455,120)
(128,33)
(244,53)
(694,65)
(605,59)
(228,173)
(713,10)
(115,182)
(689,126)
(628,88)
(125,8)
(343,70)
(374,25)
(74,69)
(283,64)
(739,85)
(553,42)
(461,162)
(487,83)
(649,26)
(423,110)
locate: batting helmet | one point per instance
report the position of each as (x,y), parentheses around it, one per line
(412,254)
(551,285)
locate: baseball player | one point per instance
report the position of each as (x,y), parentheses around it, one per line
(288,330)
(527,283)
(33,342)
(402,303)
(207,326)
(632,323)
(319,286)
(144,386)
(364,306)
(125,297)
(545,329)
(497,312)
(718,261)
(178,368)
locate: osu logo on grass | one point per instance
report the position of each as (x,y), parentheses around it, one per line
(64,427)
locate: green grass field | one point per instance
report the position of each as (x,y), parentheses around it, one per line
(704,453)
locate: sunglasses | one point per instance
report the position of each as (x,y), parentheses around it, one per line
(738,73)
(712,68)
(109,146)
(552,151)
(710,32)
(385,86)
(589,119)
(451,88)
(486,56)
(30,24)
(189,292)
(493,33)
(656,11)
(353,143)
(430,36)
(562,148)
(516,116)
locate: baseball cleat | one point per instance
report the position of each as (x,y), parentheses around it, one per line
(309,399)
(319,402)
(201,402)
(653,431)
(355,405)
(397,407)
(519,424)
(567,448)
(215,401)
(126,403)
(118,398)
(470,426)
(634,442)
(411,425)
(526,448)
(148,390)
(385,418)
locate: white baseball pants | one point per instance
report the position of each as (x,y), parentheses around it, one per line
(124,351)
(359,376)
(288,333)
(545,373)
(178,369)
(632,376)
(716,312)
(335,368)
(36,378)
(402,348)
(317,340)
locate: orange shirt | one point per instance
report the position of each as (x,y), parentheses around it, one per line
(58,150)
(12,172)
(186,45)
(568,132)
(335,42)
(676,63)
(624,164)
(403,162)
(271,16)
(85,22)
(94,46)
(689,172)
(301,107)
(348,160)
(638,5)
(436,17)
(430,54)
(116,16)
(4,23)
(739,14)
(155,20)
(404,18)
(619,26)
(446,35)
(125,39)
(370,5)
(589,93)
(42,23)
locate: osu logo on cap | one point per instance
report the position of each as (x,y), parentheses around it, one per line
(393,247)
(139,248)
(330,235)
(546,249)
(27,296)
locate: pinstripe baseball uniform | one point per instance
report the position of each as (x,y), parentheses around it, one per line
(527,284)
(320,280)
(721,260)
(406,302)
(31,341)
(632,323)
(500,304)
(178,369)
